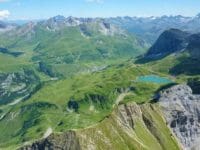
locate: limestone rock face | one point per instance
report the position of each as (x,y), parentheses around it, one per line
(129,127)
(15,87)
(67,141)
(182,112)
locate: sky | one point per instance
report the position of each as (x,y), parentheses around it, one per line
(42,9)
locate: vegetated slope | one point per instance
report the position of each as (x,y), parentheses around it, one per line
(57,48)
(83,103)
(16,87)
(175,52)
(63,46)
(74,103)
(178,54)
(130,126)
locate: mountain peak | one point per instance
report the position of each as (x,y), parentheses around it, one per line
(58,22)
(198,15)
(170,41)
(173,41)
(59,18)
(176,32)
(4,26)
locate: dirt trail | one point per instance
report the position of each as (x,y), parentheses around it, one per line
(48,132)
(121,98)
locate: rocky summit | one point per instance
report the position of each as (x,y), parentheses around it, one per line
(181,109)
(170,41)
(174,41)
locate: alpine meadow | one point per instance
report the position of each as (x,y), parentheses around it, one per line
(99,75)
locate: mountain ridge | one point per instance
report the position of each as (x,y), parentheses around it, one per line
(147,28)
(175,52)
(125,121)
(76,85)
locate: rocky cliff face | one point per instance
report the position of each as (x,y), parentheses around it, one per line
(18,86)
(130,126)
(182,112)
(133,126)
(66,141)
(85,24)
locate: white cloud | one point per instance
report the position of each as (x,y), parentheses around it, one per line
(3,1)
(95,1)
(4,14)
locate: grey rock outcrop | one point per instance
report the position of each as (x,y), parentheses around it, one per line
(66,141)
(182,112)
(15,87)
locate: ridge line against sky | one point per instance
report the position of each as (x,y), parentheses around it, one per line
(42,9)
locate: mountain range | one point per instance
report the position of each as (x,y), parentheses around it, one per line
(146,28)
(59,42)
(100,83)
(150,28)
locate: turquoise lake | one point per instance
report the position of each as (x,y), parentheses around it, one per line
(154,79)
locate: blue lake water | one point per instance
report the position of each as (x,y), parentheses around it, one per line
(154,79)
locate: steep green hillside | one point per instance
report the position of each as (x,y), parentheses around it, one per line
(175,52)
(66,74)
(74,103)
(129,127)
(59,49)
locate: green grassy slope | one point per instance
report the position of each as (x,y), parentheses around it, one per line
(95,95)
(68,50)
(145,130)
(85,93)
(182,66)
(128,127)
(62,53)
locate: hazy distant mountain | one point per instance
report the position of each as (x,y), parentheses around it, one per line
(149,28)
(6,26)
(22,22)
